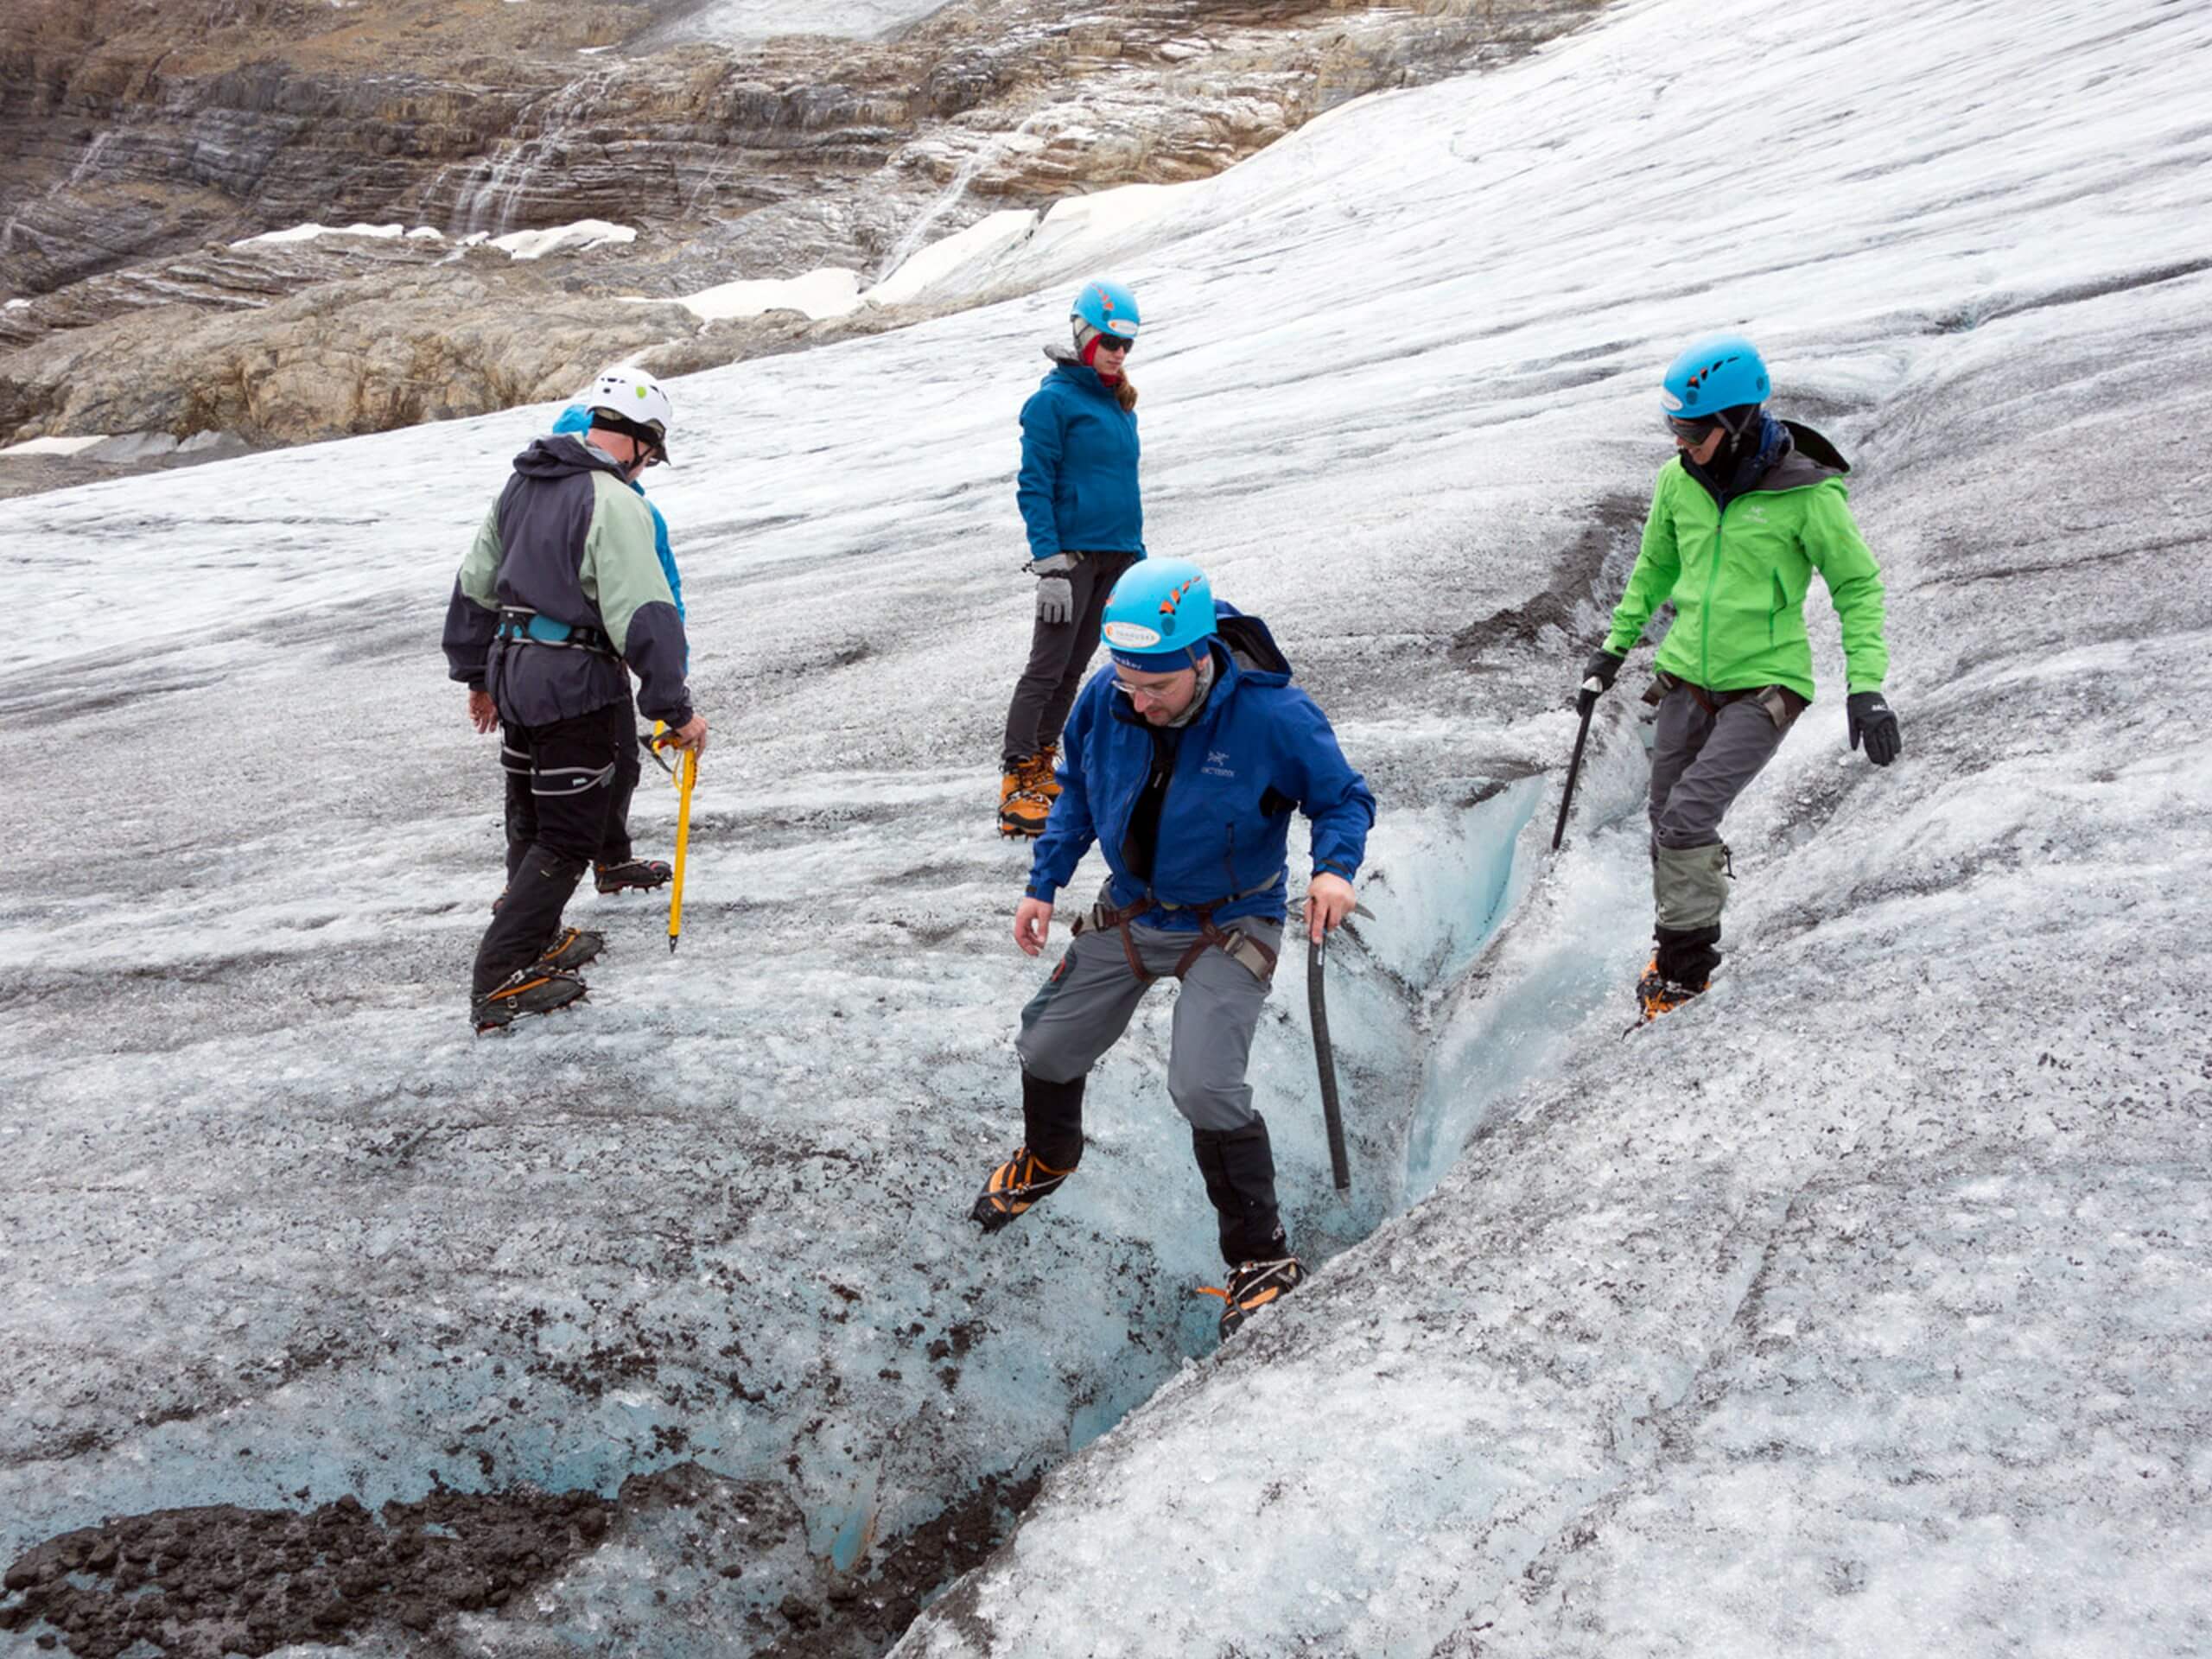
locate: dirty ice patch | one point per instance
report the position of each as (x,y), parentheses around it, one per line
(1076,233)
(52,445)
(311,231)
(819,294)
(949,258)
(585,233)
(738,20)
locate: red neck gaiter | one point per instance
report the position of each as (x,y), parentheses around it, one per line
(1112,377)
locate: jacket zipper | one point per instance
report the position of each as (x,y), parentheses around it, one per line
(1705,629)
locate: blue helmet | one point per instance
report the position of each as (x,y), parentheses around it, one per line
(1104,308)
(1160,616)
(1720,371)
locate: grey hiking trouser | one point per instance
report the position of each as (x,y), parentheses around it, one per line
(1083,1010)
(1701,759)
(1059,655)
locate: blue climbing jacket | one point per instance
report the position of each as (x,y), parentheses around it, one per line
(576,419)
(1078,489)
(1259,748)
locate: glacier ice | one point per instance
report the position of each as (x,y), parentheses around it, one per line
(1857,1309)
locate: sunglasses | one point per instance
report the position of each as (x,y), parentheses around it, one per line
(1115,343)
(1696,428)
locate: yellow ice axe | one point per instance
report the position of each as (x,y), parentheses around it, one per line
(687,773)
(684,775)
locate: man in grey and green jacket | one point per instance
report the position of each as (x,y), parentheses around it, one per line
(563,588)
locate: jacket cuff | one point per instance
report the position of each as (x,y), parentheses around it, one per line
(1041,890)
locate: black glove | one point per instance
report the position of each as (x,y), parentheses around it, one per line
(1871,719)
(1601,667)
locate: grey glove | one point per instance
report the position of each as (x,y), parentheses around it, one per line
(1055,593)
(1055,601)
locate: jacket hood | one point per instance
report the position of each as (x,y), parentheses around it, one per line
(1806,459)
(563,456)
(1251,650)
(1067,366)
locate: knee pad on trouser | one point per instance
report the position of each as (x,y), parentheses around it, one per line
(1239,1168)
(541,861)
(1690,885)
(1052,1120)
(1687,956)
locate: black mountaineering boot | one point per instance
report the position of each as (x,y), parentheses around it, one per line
(1051,1124)
(1254,1285)
(1239,1168)
(631,872)
(572,947)
(1052,1120)
(1681,966)
(523,992)
(1013,1187)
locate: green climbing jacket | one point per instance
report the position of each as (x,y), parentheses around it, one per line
(1739,576)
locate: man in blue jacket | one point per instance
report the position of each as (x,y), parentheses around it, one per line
(1183,762)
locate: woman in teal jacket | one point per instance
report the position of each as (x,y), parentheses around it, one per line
(1078,492)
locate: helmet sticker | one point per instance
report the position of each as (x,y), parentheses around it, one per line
(1167,605)
(1130,636)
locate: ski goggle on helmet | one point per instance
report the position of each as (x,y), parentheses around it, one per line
(1710,381)
(1106,310)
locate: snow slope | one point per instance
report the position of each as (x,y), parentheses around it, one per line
(1856,1309)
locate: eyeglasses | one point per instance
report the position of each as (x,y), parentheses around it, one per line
(1150,693)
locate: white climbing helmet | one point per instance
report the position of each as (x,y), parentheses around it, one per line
(635,398)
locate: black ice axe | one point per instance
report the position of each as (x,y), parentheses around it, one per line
(1574,766)
(1324,1059)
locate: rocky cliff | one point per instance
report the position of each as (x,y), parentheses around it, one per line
(141,141)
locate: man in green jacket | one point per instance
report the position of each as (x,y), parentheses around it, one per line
(1748,508)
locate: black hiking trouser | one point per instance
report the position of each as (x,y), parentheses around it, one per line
(1059,654)
(522,806)
(571,771)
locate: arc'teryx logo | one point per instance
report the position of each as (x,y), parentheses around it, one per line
(1216,763)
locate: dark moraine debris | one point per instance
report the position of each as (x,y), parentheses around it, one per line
(202,1583)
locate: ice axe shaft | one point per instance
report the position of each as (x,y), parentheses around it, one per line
(1325,1059)
(1574,766)
(687,773)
